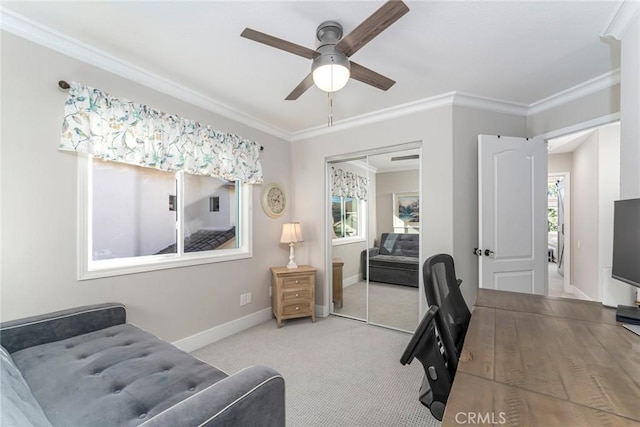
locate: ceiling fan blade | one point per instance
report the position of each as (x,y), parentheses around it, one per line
(381,19)
(301,88)
(272,41)
(370,77)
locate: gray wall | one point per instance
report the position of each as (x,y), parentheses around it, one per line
(562,162)
(350,255)
(432,127)
(39,214)
(596,105)
(388,183)
(584,226)
(449,177)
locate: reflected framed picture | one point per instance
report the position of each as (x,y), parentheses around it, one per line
(406,212)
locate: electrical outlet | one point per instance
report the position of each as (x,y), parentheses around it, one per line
(245,299)
(270,291)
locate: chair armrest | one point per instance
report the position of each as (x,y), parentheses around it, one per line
(251,397)
(31,331)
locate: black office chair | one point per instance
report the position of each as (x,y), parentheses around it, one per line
(442,289)
(425,347)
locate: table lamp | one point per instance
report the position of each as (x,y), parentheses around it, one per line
(291,234)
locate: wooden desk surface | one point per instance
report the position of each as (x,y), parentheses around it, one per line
(537,304)
(543,361)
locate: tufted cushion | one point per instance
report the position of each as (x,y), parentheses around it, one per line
(118,376)
(19,407)
(399,244)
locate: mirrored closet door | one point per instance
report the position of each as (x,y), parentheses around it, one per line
(374,205)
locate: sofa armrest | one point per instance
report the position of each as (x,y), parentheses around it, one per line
(363,260)
(31,331)
(251,397)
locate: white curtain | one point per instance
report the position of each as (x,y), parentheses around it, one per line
(123,131)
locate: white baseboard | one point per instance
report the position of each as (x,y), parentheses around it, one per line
(579,293)
(219,332)
(351,280)
(322,311)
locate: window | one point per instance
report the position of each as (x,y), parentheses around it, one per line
(348,217)
(141,219)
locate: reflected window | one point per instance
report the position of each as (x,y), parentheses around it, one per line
(347,213)
(143,217)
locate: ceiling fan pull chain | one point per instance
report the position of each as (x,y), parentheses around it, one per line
(330,100)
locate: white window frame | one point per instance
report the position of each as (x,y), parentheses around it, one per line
(361,237)
(93,269)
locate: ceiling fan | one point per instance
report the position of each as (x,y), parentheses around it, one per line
(331,68)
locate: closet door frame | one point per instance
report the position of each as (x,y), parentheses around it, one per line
(359,155)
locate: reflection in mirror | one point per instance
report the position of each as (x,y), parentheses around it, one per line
(393,264)
(134,212)
(349,205)
(210,214)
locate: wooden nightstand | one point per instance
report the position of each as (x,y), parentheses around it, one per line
(294,291)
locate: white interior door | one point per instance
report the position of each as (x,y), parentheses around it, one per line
(512,212)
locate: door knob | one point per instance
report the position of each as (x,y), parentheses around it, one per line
(477,251)
(488,253)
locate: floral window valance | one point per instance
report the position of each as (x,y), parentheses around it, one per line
(348,184)
(123,131)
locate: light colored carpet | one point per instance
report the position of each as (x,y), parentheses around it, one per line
(338,372)
(389,305)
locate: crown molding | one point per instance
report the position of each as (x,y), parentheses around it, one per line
(462,99)
(447,99)
(621,19)
(581,90)
(377,116)
(52,39)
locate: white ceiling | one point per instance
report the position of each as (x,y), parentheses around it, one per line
(515,51)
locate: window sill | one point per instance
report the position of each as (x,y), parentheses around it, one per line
(124,266)
(347,241)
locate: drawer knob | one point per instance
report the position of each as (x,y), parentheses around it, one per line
(297,281)
(297,308)
(297,295)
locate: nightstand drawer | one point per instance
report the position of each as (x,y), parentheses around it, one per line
(296,281)
(296,309)
(289,297)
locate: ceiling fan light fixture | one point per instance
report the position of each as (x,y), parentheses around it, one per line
(331,72)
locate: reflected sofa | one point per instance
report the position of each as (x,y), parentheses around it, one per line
(88,367)
(395,261)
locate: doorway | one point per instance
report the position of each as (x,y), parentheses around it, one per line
(559,234)
(373,206)
(587,166)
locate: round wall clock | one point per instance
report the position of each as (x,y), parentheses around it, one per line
(274,200)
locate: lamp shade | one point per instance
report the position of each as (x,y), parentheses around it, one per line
(291,233)
(331,72)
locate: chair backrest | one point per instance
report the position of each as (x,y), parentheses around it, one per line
(425,347)
(442,289)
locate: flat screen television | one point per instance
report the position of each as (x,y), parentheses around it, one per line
(626,252)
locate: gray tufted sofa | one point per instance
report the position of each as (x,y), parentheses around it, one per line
(395,261)
(88,367)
